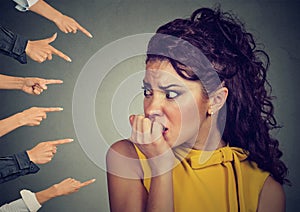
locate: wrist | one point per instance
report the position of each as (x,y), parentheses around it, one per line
(45,195)
(19,119)
(20,83)
(56,19)
(30,156)
(162,164)
(55,191)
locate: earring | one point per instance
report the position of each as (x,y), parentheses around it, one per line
(210,111)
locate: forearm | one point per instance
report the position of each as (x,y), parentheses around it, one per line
(9,124)
(9,82)
(47,194)
(45,10)
(161,193)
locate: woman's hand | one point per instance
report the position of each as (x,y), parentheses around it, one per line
(147,136)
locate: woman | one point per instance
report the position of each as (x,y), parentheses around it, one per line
(203,143)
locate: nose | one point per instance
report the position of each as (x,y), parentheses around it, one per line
(153,106)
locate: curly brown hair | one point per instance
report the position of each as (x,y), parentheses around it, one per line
(241,67)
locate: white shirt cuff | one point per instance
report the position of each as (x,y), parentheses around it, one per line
(24,5)
(30,200)
(31,2)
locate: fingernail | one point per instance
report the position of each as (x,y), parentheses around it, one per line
(93,180)
(60,108)
(69,59)
(90,35)
(71,139)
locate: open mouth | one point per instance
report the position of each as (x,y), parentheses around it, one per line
(164,130)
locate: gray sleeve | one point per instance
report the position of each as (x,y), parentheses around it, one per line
(15,206)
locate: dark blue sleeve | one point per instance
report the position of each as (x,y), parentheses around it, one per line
(13,45)
(16,165)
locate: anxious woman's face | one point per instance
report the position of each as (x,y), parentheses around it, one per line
(176,103)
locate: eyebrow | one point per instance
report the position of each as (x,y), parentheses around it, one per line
(162,87)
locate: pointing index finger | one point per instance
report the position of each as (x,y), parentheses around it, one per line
(60,54)
(62,141)
(86,183)
(52,109)
(83,30)
(53,81)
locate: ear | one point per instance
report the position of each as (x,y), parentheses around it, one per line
(217,100)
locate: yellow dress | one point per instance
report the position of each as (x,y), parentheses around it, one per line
(220,180)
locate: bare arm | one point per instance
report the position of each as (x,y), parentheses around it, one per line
(30,117)
(9,82)
(30,85)
(161,193)
(126,190)
(45,10)
(9,124)
(272,197)
(65,187)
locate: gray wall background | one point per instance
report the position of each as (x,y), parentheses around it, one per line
(274,23)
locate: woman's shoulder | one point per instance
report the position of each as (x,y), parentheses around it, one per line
(122,160)
(124,147)
(272,196)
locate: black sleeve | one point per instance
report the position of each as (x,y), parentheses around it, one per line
(16,165)
(13,45)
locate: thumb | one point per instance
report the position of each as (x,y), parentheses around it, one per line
(52,38)
(131,119)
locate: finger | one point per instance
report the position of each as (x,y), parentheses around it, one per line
(131,119)
(87,183)
(40,59)
(51,109)
(157,130)
(84,31)
(49,57)
(60,54)
(147,131)
(139,128)
(44,116)
(69,29)
(52,81)
(39,119)
(62,141)
(34,123)
(52,38)
(36,91)
(133,128)
(40,85)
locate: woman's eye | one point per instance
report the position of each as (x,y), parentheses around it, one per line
(171,94)
(147,92)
